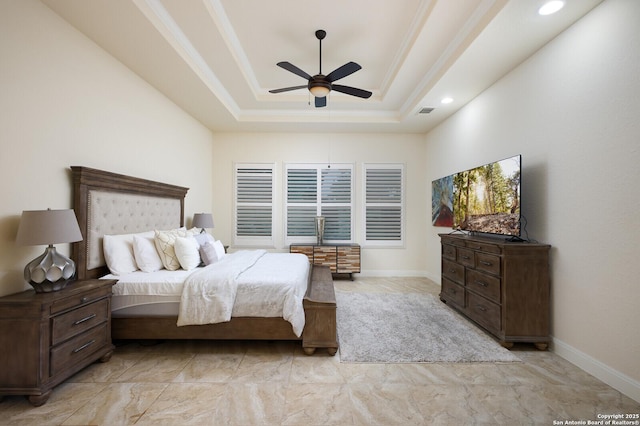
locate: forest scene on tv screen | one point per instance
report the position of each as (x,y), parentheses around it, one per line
(487,198)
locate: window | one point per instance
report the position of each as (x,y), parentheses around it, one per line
(384,205)
(313,190)
(254,204)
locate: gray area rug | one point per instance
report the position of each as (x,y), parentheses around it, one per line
(409,327)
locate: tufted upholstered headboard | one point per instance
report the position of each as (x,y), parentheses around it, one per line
(107,203)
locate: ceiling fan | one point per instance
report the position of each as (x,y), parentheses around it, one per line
(320,85)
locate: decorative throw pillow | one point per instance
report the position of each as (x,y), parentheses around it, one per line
(146,254)
(203,238)
(186,249)
(165,241)
(208,253)
(118,252)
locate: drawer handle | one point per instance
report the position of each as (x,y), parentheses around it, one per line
(452,291)
(466,257)
(453,271)
(84,299)
(83,347)
(481,308)
(485,263)
(80,321)
(483,284)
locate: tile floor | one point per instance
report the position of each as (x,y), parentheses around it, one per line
(274,383)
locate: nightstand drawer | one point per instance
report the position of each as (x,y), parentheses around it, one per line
(75,322)
(68,354)
(79,299)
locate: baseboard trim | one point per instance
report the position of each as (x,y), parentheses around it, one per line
(617,380)
(392,273)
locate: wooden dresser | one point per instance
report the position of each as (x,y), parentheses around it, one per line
(340,258)
(502,286)
(48,337)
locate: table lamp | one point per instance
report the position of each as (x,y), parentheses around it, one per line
(51,271)
(202,220)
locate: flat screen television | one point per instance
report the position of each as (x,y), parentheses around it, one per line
(486,199)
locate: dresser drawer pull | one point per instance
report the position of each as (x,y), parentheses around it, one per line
(452,291)
(481,308)
(451,270)
(80,321)
(483,284)
(84,299)
(485,263)
(466,257)
(85,346)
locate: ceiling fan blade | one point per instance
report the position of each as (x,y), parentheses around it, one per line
(343,71)
(287,89)
(321,102)
(292,68)
(353,91)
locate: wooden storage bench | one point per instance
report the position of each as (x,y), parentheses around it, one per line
(320,313)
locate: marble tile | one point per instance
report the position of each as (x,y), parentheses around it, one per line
(117,404)
(156,368)
(317,404)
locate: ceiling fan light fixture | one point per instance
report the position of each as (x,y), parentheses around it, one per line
(319,89)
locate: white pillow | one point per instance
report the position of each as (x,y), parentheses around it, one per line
(186,249)
(219,249)
(118,252)
(165,241)
(146,255)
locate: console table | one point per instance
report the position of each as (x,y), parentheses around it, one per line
(340,258)
(501,286)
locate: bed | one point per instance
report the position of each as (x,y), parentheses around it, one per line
(109,204)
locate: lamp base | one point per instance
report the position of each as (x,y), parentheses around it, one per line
(49,272)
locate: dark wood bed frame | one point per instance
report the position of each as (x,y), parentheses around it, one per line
(319,302)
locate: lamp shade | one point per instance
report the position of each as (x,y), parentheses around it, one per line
(202,220)
(45,227)
(319,90)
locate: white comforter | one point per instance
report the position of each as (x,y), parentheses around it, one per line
(209,295)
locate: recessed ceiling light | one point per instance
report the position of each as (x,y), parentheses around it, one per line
(551,7)
(447,100)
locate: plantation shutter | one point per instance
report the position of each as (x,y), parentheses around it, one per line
(384,204)
(314,190)
(254,204)
(302,195)
(336,203)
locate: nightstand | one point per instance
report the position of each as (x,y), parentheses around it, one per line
(48,337)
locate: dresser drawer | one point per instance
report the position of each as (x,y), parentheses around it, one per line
(488,263)
(482,246)
(449,252)
(452,292)
(466,257)
(484,284)
(484,312)
(453,271)
(75,322)
(73,351)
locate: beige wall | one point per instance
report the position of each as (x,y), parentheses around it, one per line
(281,148)
(572,112)
(65,102)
